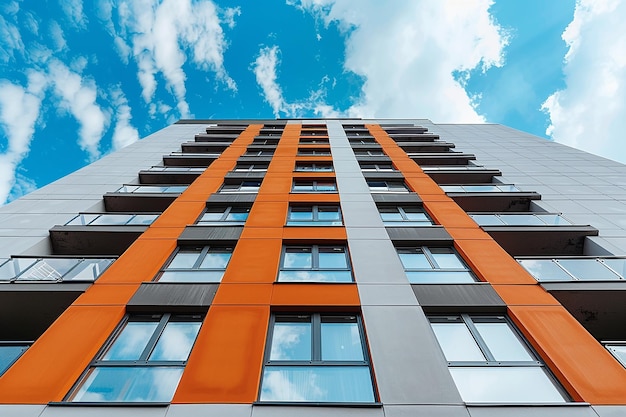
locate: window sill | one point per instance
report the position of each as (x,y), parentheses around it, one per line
(317,404)
(510,404)
(108,404)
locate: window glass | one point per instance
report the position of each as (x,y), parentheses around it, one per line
(48,269)
(315,263)
(298,258)
(415,260)
(328,213)
(457,342)
(619,351)
(291,341)
(131,342)
(205,264)
(326,186)
(617,265)
(9,354)
(108,219)
(237,214)
(341,342)
(175,342)
(502,342)
(587,269)
(446,259)
(215,260)
(425,265)
(184,260)
(331,258)
(521,220)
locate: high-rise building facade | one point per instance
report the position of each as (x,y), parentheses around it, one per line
(344,267)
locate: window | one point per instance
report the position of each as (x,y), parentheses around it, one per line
(313,140)
(10,352)
(204,264)
(319,358)
(314,216)
(311,167)
(314,151)
(315,263)
(491,363)
(140,189)
(52,269)
(404,216)
(481,188)
(224,216)
(434,265)
(265,141)
(368,153)
(112,219)
(143,362)
(362,141)
(387,187)
(252,152)
(316,186)
(617,349)
(251,167)
(381,167)
(574,269)
(249,186)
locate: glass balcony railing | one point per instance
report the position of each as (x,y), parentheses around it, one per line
(523,219)
(52,269)
(112,219)
(576,269)
(156,189)
(176,169)
(481,188)
(453,168)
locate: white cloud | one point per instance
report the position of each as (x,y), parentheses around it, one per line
(78,96)
(590,112)
(57,36)
(73,10)
(10,40)
(162,35)
(264,68)
(124,133)
(229,16)
(408,51)
(19,111)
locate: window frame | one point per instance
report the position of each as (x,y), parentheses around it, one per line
(489,361)
(162,320)
(196,267)
(250,167)
(315,320)
(377,167)
(314,152)
(227,187)
(315,210)
(315,252)
(434,265)
(314,185)
(610,346)
(389,185)
(405,222)
(315,166)
(226,211)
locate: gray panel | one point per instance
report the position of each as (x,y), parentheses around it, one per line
(479,297)
(610,410)
(203,234)
(221,410)
(386,294)
(392,198)
(534,411)
(172,297)
(426,411)
(424,235)
(245,175)
(408,363)
(315,411)
(21,410)
(77,411)
(228,198)
(360,214)
(384,175)
(376,262)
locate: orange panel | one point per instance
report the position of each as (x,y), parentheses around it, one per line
(492,263)
(261,232)
(310,198)
(180,214)
(460,233)
(275,184)
(314,233)
(132,267)
(106,294)
(227,358)
(267,196)
(300,294)
(243,294)
(253,260)
(423,186)
(449,214)
(268,214)
(51,366)
(584,367)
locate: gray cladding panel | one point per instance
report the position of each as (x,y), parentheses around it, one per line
(232,198)
(78,411)
(458,297)
(173,297)
(376,262)
(221,410)
(204,234)
(315,411)
(426,411)
(21,410)
(535,411)
(610,410)
(408,363)
(391,198)
(422,235)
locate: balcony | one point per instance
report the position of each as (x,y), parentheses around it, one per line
(490,197)
(441,158)
(455,174)
(142,198)
(170,175)
(530,234)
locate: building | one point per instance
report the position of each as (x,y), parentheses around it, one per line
(344,267)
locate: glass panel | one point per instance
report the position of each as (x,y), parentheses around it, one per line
(619,351)
(415,214)
(201,275)
(486,219)
(291,341)
(545,270)
(83,219)
(238,214)
(457,342)
(333,384)
(88,270)
(332,259)
(8,355)
(297,258)
(439,276)
(129,384)
(587,269)
(213,216)
(215,260)
(480,188)
(328,213)
(326,186)
(143,219)
(249,186)
(414,260)
(15,266)
(176,189)
(301,214)
(452,188)
(315,276)
(112,219)
(447,260)
(150,189)
(390,214)
(505,385)
(503,343)
(175,342)
(521,220)
(184,260)
(508,188)
(341,342)
(553,219)
(49,269)
(618,265)
(303,186)
(131,342)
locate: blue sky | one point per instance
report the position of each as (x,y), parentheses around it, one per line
(79,79)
